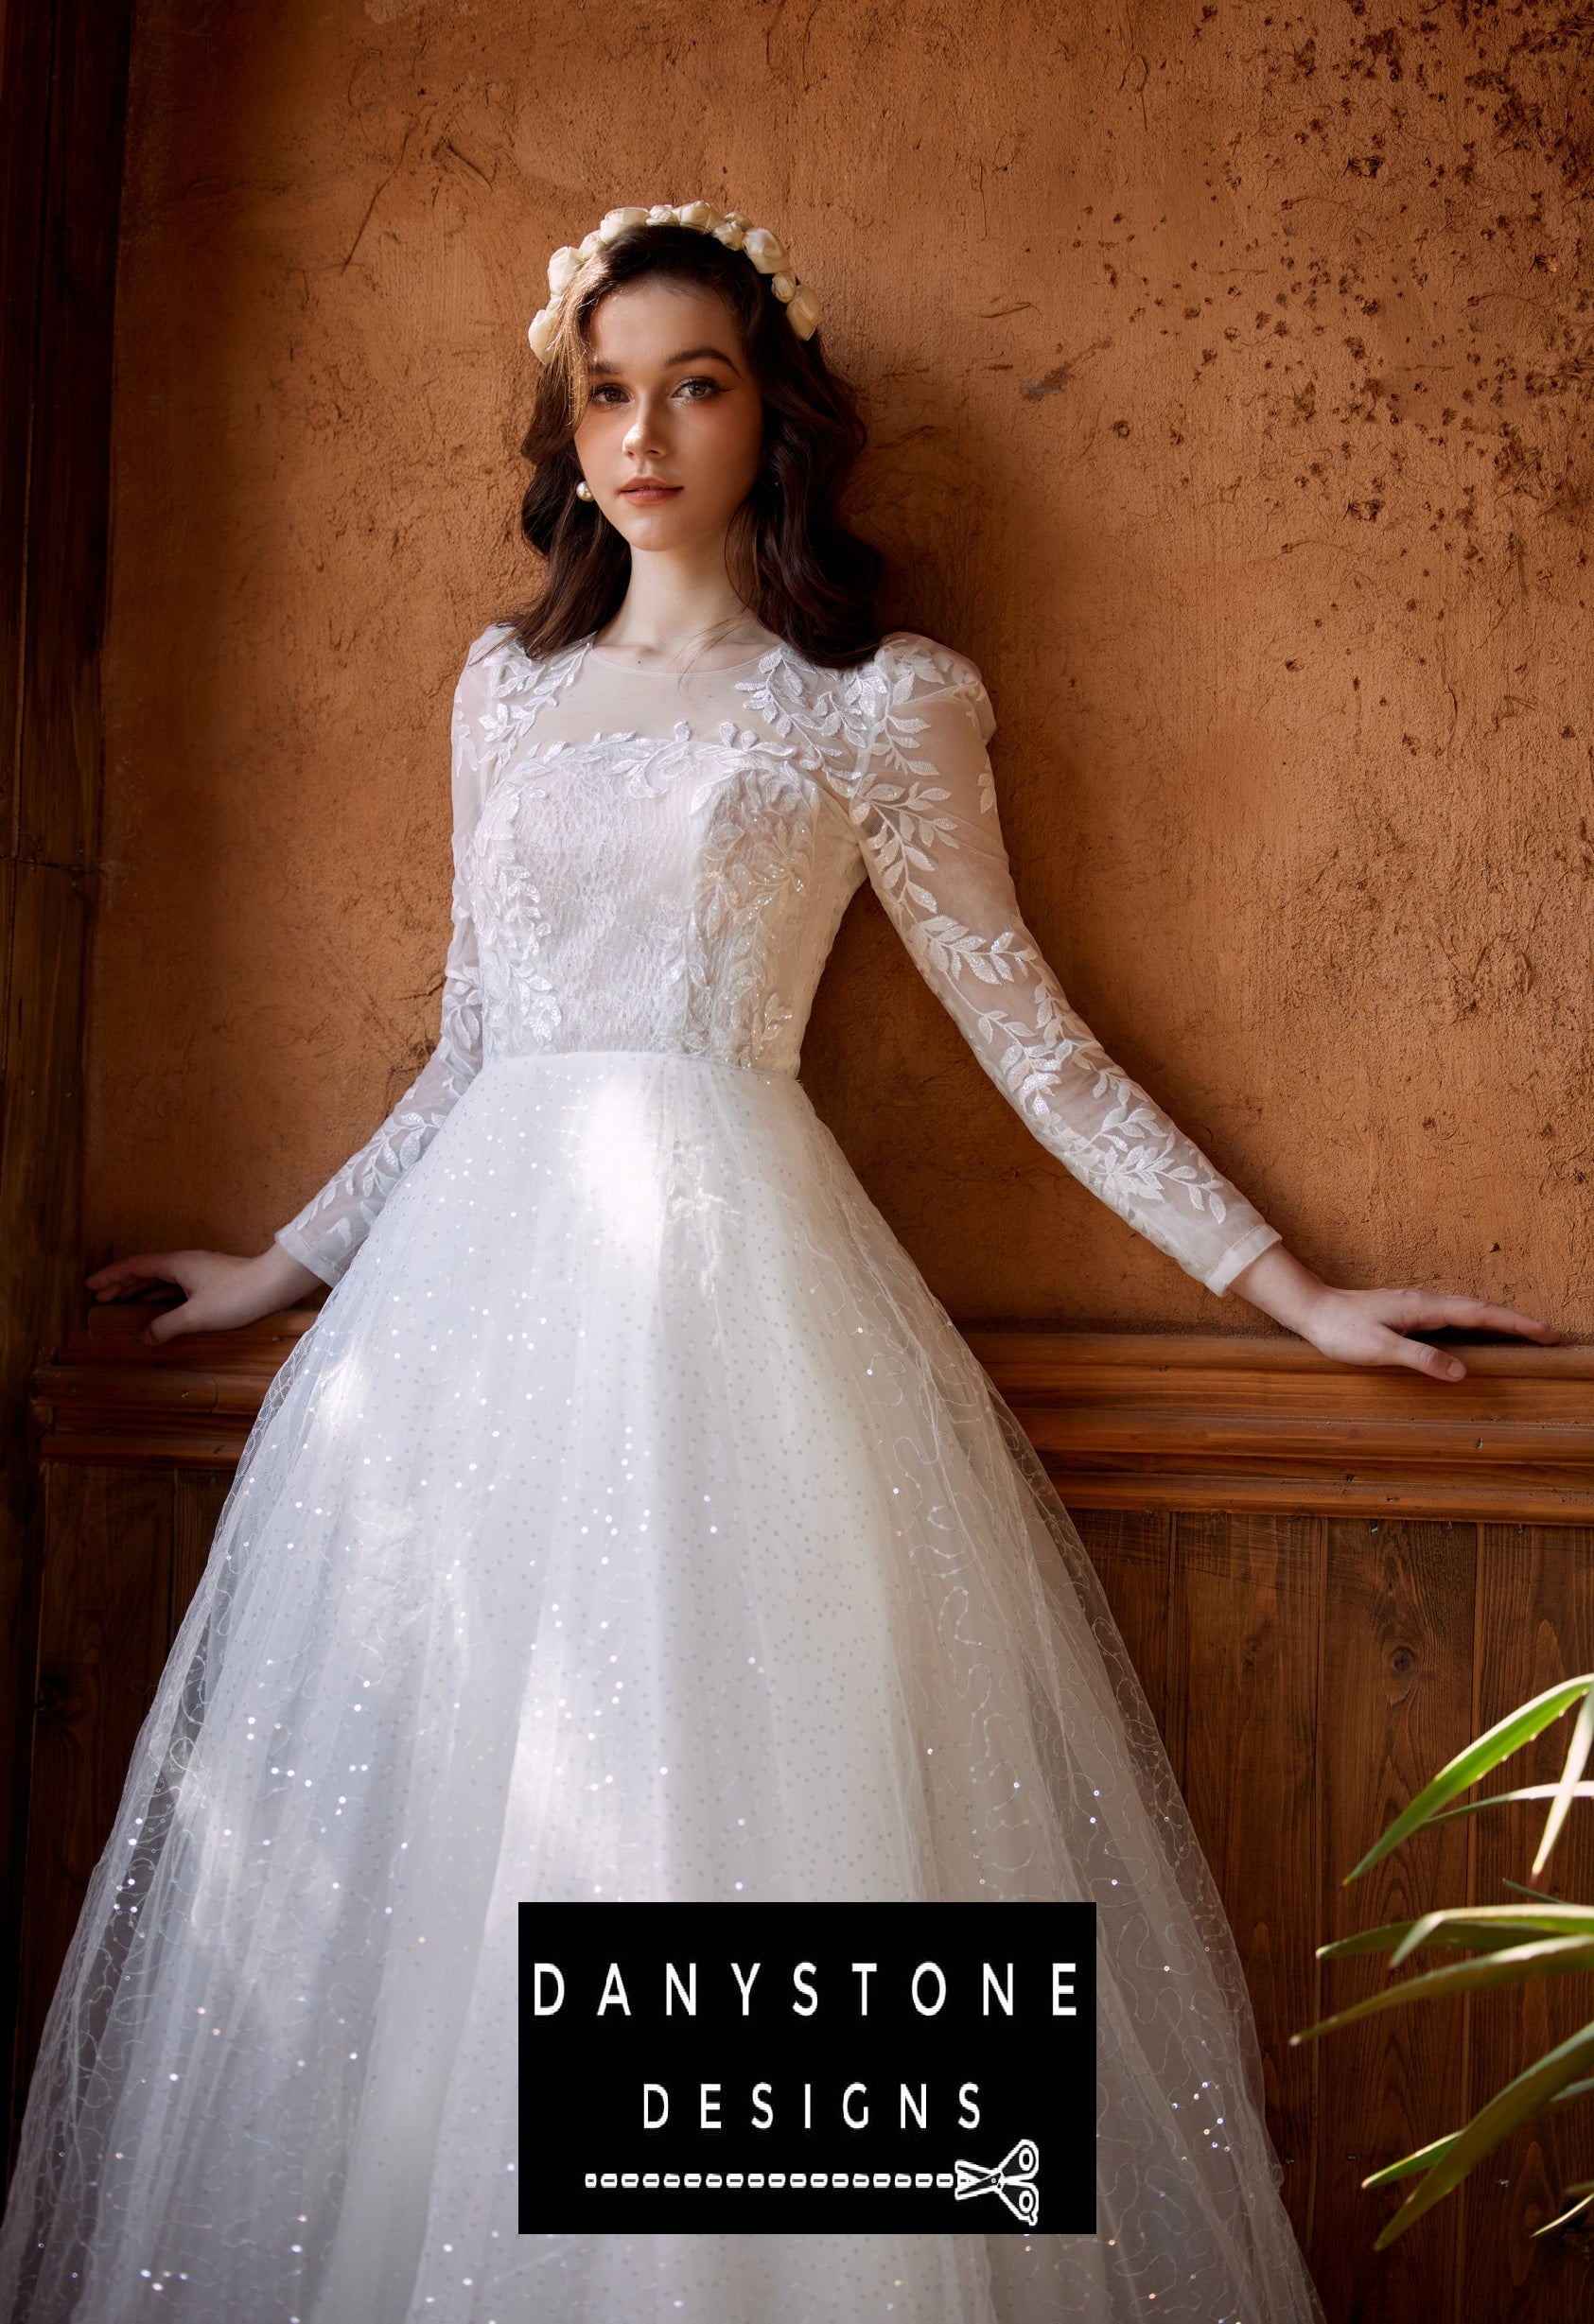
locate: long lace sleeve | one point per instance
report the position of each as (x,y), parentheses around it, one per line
(327,1234)
(921,797)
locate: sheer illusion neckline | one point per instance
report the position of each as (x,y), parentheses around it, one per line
(602,655)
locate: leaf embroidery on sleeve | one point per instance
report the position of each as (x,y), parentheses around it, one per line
(863,731)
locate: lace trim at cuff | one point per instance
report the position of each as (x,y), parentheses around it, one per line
(1235,1262)
(312,1255)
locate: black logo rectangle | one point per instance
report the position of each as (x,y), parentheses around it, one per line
(807,2069)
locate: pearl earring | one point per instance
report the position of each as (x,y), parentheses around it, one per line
(583,490)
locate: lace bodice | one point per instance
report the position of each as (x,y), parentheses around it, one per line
(660,862)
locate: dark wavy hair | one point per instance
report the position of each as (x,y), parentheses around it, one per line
(793,559)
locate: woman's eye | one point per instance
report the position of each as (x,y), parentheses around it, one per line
(698,390)
(608,395)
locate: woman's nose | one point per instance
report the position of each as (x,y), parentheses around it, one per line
(641,437)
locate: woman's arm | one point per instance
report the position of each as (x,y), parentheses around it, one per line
(315,1248)
(1372,1327)
(921,799)
(326,1234)
(222,1293)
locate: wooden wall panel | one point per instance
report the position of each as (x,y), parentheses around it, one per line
(197,1499)
(1309,1671)
(1245,1621)
(1132,1551)
(58,741)
(105,1619)
(40,1107)
(1535,1626)
(26,31)
(62,90)
(127,1549)
(1398,1679)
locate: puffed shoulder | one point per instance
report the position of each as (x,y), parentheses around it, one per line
(472,693)
(482,670)
(924,664)
(497,633)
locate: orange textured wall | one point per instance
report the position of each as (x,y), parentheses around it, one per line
(1230,374)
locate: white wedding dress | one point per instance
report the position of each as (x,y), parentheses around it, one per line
(633,1523)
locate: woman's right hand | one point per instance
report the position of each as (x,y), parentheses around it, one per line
(220,1292)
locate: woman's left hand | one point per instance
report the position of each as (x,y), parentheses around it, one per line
(1373,1327)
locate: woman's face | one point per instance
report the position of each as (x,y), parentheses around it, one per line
(672,432)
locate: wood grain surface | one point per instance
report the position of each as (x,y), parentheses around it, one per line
(104,1630)
(1310,1669)
(1397,1691)
(63,68)
(1535,1626)
(1128,1420)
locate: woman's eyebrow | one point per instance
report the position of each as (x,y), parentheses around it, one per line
(687,354)
(695,355)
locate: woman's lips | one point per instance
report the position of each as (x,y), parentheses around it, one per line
(647,489)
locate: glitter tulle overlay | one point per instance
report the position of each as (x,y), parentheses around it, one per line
(632,1523)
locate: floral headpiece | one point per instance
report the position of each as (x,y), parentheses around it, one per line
(764,249)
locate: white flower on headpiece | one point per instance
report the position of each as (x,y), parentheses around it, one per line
(562,269)
(764,250)
(802,313)
(730,228)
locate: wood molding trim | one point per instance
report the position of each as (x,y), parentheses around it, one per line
(1199,1421)
(1131,1420)
(109,1399)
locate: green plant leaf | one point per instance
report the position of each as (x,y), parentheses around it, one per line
(1484,1926)
(1518,2103)
(1382,1940)
(1519,1888)
(1551,2224)
(1426,2155)
(1470,1765)
(1471,1924)
(1512,1965)
(1421,2161)
(1566,1790)
(1509,1799)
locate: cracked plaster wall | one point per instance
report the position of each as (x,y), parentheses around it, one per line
(1229,372)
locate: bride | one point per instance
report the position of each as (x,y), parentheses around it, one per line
(633,1523)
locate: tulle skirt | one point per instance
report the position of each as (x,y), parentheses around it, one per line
(633,1523)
